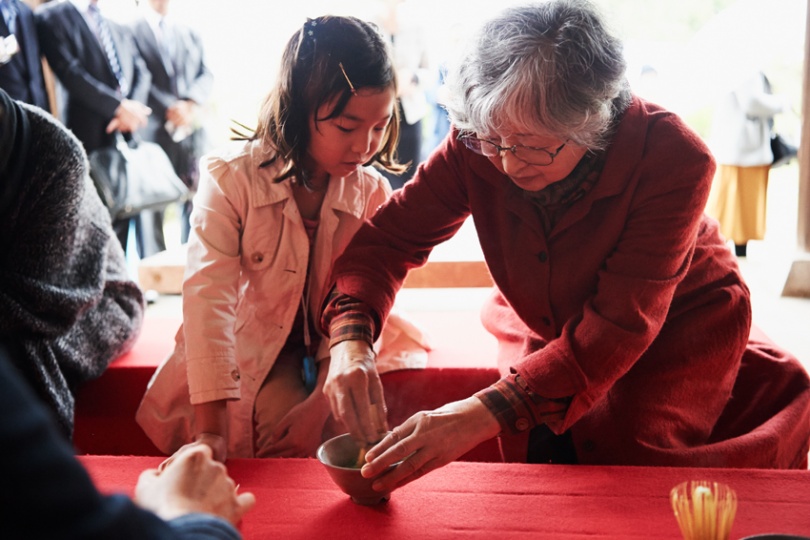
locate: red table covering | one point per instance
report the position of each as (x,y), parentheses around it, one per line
(297,499)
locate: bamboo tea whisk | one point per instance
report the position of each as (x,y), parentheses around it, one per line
(704,510)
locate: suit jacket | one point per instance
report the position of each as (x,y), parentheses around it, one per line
(79,61)
(185,77)
(21,77)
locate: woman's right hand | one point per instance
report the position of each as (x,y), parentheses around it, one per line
(355,392)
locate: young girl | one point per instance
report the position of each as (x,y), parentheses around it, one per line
(269,220)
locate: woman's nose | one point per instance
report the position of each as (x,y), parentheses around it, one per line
(510,163)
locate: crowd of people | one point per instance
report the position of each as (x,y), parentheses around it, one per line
(623,321)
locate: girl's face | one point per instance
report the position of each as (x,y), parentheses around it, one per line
(341,144)
(531,177)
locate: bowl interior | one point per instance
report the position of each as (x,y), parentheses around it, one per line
(340,457)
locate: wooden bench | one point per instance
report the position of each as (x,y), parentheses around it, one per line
(163,273)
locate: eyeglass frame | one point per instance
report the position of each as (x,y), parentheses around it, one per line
(467,140)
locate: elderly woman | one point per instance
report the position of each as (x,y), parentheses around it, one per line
(622,319)
(67,305)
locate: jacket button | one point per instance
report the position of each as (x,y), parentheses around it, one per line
(588,445)
(546,321)
(522,424)
(542,256)
(257,257)
(235,375)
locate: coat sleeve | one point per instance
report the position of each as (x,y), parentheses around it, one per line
(210,289)
(429,210)
(66,296)
(199,90)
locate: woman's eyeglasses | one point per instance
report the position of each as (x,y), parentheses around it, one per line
(527,154)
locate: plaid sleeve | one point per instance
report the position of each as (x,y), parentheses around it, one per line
(518,409)
(346,319)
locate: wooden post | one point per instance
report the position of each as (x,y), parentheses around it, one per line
(798,280)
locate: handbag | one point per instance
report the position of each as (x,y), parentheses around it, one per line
(135,175)
(782,150)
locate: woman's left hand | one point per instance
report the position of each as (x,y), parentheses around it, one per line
(429,440)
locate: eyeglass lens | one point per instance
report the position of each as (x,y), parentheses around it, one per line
(535,156)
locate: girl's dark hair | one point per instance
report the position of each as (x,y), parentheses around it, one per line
(312,74)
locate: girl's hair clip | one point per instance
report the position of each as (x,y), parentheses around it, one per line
(309,27)
(351,86)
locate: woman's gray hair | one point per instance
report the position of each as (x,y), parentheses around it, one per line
(550,68)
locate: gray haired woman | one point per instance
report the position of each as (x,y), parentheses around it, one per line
(622,319)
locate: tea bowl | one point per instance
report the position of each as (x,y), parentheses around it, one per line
(339,455)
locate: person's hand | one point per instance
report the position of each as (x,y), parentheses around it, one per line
(216,443)
(355,392)
(193,482)
(429,440)
(129,116)
(298,434)
(181,113)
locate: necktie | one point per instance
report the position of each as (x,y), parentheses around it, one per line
(105,39)
(166,45)
(9,15)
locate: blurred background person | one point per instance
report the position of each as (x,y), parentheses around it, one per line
(740,140)
(181,87)
(105,81)
(20,65)
(402,24)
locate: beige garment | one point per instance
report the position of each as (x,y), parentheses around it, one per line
(737,200)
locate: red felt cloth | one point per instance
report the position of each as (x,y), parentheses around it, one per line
(297,499)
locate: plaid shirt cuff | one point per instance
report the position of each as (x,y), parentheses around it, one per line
(348,319)
(518,409)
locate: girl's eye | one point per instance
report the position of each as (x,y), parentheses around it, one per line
(344,129)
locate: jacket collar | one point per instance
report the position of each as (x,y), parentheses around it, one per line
(344,194)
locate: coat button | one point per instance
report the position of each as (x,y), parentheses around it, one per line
(257,257)
(522,424)
(235,375)
(546,321)
(588,445)
(542,256)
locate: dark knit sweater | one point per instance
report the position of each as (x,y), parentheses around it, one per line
(67,305)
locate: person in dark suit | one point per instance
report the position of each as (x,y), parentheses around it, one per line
(192,497)
(105,80)
(181,86)
(21,76)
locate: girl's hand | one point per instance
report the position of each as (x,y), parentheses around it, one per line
(429,440)
(299,433)
(355,392)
